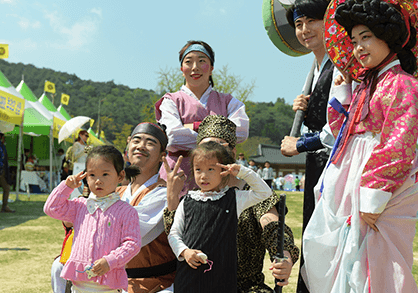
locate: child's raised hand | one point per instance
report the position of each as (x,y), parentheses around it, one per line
(191,257)
(74,181)
(232,169)
(101,267)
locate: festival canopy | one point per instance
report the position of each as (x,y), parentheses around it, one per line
(29,96)
(58,120)
(12,105)
(63,112)
(93,140)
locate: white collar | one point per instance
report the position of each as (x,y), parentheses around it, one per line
(93,202)
(203,99)
(388,66)
(128,192)
(199,195)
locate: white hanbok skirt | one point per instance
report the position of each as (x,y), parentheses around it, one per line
(342,253)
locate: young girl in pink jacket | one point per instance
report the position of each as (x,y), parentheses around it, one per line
(106,229)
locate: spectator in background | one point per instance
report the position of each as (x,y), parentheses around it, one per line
(277,183)
(260,171)
(297,183)
(268,173)
(78,156)
(25,157)
(282,182)
(30,164)
(5,179)
(252,166)
(241,160)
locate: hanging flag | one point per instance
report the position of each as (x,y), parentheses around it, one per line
(4,51)
(49,87)
(91,123)
(102,135)
(65,99)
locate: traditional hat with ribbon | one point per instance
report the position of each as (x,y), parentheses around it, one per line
(338,43)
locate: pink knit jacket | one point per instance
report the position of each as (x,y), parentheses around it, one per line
(113,234)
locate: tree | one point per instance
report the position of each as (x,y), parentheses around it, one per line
(249,147)
(171,79)
(120,141)
(232,84)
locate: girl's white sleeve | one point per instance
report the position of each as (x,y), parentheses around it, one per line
(179,137)
(236,113)
(259,190)
(176,232)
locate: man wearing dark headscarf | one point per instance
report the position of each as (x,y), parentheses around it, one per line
(153,268)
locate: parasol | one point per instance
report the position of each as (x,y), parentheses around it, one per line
(338,43)
(280,32)
(71,126)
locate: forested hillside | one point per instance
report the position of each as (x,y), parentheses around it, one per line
(123,107)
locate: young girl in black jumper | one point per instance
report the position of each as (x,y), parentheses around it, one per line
(205,224)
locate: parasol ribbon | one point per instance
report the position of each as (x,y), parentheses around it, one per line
(280,239)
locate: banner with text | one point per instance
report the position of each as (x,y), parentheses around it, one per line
(11,108)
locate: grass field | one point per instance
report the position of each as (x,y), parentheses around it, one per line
(30,240)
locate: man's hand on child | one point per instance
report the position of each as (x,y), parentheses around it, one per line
(191,257)
(281,269)
(232,169)
(74,181)
(100,267)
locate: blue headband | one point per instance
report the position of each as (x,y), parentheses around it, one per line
(198,48)
(297,14)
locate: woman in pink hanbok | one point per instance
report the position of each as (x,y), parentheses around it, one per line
(181,112)
(360,236)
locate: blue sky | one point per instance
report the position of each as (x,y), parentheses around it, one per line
(129,41)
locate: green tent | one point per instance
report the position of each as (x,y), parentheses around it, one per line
(63,112)
(29,96)
(51,108)
(12,105)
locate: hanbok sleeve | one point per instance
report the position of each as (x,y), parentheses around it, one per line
(150,211)
(326,136)
(343,93)
(236,113)
(179,137)
(391,160)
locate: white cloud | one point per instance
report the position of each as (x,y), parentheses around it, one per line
(8,1)
(97,11)
(25,23)
(26,44)
(75,36)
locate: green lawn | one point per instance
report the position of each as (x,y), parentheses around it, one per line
(30,240)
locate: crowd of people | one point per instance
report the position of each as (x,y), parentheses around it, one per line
(192,218)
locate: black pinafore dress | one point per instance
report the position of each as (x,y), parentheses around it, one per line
(210,226)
